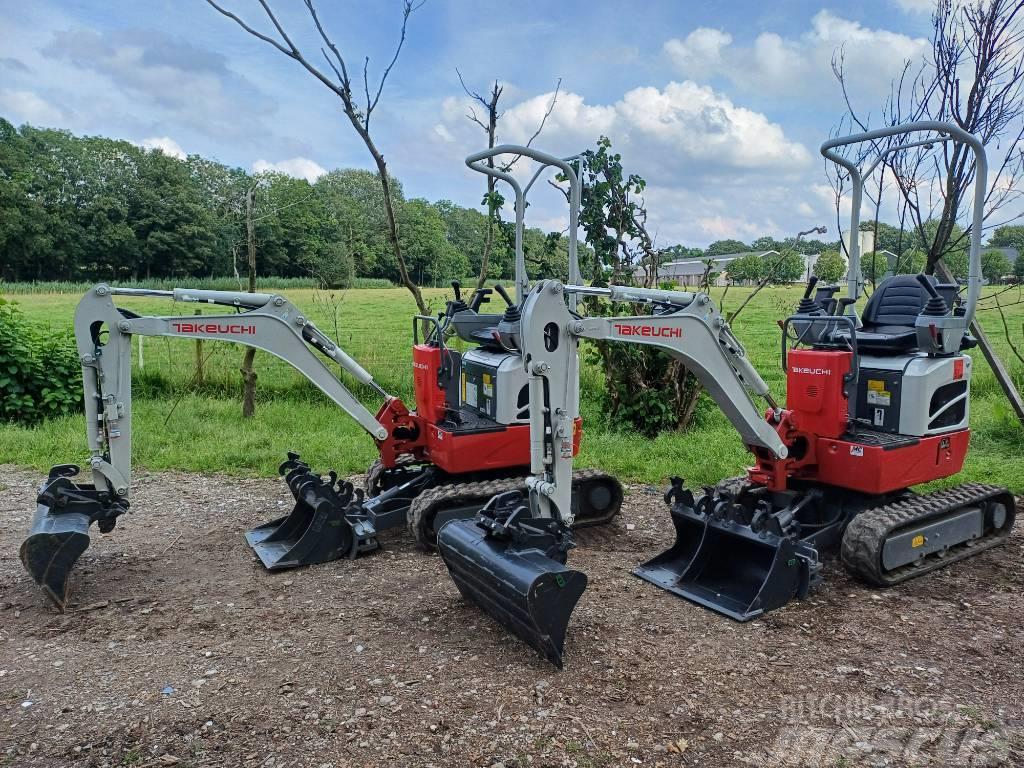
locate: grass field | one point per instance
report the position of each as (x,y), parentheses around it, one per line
(181,424)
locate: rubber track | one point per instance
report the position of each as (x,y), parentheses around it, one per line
(425,506)
(867,532)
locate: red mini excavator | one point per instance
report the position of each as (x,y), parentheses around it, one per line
(874,405)
(467,439)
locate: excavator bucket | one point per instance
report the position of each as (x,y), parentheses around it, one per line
(727,566)
(514,569)
(60,529)
(54,544)
(325,524)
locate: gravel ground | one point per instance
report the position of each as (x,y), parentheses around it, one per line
(179,649)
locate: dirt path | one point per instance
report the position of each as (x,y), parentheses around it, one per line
(181,650)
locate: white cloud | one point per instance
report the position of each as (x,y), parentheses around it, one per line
(700,52)
(165,144)
(799,66)
(683,128)
(299,167)
(29,107)
(916,6)
(714,168)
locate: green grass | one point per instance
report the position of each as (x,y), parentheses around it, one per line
(180,426)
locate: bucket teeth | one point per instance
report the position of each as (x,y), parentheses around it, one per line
(60,529)
(513,568)
(326,523)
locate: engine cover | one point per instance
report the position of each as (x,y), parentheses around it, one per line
(494,385)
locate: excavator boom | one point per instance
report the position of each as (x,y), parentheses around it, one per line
(66,509)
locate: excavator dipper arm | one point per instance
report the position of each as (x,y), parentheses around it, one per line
(511,560)
(103,332)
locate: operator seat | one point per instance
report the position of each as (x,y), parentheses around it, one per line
(890,314)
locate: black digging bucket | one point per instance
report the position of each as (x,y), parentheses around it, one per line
(517,583)
(325,524)
(54,544)
(727,567)
(60,529)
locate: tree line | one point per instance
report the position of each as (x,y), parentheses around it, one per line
(95,208)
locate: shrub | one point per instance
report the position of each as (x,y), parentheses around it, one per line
(39,374)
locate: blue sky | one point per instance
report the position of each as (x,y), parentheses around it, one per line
(720,106)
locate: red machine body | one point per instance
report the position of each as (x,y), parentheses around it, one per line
(428,433)
(814,427)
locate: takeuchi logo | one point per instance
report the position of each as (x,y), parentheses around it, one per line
(225,328)
(624,329)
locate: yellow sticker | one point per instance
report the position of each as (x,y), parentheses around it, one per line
(876,384)
(917,541)
(487,378)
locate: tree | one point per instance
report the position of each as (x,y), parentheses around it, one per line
(995,266)
(786,267)
(1018,267)
(874,265)
(766,243)
(973,77)
(489,124)
(723,247)
(745,268)
(647,391)
(358,114)
(431,257)
(1008,237)
(911,262)
(830,267)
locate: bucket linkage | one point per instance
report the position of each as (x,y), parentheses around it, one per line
(326,523)
(513,567)
(735,555)
(60,528)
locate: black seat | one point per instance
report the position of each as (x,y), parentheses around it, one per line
(890,314)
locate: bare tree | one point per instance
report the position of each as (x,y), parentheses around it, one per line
(972,77)
(358,112)
(489,124)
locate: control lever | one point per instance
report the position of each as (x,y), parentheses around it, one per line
(480,296)
(456,287)
(843,303)
(504,294)
(936,306)
(807,305)
(810,286)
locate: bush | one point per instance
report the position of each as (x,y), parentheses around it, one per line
(39,375)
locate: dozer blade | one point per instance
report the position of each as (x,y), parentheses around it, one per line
(726,566)
(514,569)
(60,529)
(325,524)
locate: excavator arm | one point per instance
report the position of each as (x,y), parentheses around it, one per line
(271,323)
(511,560)
(103,332)
(687,327)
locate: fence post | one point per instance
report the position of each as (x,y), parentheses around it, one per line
(199,356)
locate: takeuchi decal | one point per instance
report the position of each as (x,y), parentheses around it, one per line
(225,328)
(624,329)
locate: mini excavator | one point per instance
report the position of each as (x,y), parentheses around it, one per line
(467,439)
(875,404)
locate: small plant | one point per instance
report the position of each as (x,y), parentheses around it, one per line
(39,374)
